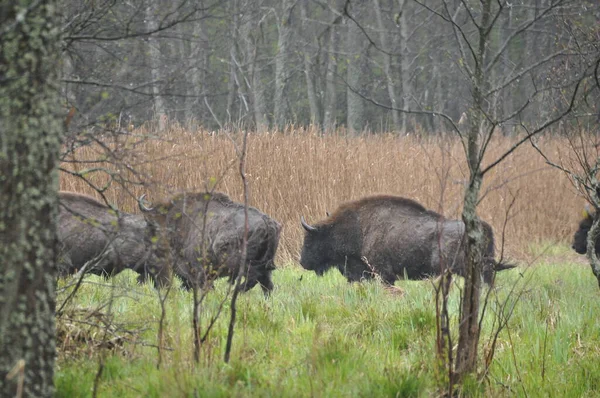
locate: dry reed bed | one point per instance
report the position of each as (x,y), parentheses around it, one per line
(300,173)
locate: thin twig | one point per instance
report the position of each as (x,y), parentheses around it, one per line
(242,266)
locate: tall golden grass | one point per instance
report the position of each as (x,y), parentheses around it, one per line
(300,173)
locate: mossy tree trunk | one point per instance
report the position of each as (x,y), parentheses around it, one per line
(593,236)
(29,147)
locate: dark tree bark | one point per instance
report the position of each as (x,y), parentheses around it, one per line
(29,147)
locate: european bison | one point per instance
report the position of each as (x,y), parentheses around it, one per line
(392,237)
(580,238)
(91,232)
(205,232)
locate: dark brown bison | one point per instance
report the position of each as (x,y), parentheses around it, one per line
(205,232)
(580,238)
(92,233)
(392,237)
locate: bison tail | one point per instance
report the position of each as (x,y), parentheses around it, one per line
(503,266)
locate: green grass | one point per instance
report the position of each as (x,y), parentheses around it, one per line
(324,337)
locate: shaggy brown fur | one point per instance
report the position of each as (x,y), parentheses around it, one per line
(90,231)
(392,237)
(205,231)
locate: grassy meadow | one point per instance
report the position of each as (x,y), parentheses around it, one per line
(322,336)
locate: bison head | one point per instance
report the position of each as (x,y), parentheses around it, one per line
(317,253)
(580,238)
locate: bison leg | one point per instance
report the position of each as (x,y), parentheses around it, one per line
(388,280)
(263,278)
(65,267)
(356,270)
(142,278)
(162,279)
(355,278)
(192,275)
(266,283)
(188,283)
(248,284)
(158,280)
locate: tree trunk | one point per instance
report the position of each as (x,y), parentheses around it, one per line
(231,83)
(313,98)
(387,65)
(468,330)
(539,44)
(281,111)
(355,117)
(330,101)
(404,85)
(438,99)
(255,65)
(507,96)
(592,238)
(155,65)
(594,232)
(258,93)
(29,148)
(196,108)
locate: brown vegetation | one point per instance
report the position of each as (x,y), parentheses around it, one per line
(298,172)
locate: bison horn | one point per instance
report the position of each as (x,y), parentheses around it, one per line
(142,206)
(307,227)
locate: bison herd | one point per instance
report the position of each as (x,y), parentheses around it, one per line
(199,236)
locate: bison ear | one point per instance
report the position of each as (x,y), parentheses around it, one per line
(308,228)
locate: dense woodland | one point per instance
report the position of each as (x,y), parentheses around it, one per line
(354,64)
